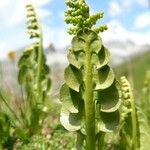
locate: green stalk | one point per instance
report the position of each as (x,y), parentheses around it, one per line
(89,103)
(134,124)
(40,62)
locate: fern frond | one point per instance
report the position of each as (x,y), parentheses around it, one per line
(129,121)
(33,71)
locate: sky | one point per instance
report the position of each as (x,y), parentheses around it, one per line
(126,19)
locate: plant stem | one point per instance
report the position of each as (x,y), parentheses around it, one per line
(89,103)
(134,124)
(40,62)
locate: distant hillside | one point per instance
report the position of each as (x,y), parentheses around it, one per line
(135,69)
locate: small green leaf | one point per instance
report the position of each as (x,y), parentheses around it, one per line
(46,84)
(21,74)
(101,59)
(49,83)
(96,45)
(28,49)
(23,61)
(70,99)
(87,35)
(84,38)
(45,70)
(110,98)
(78,44)
(73,77)
(74,59)
(27,59)
(108,122)
(104,78)
(71,121)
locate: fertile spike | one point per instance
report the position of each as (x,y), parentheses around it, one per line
(79,16)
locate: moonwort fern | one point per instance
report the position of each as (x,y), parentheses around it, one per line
(33,75)
(90,96)
(33,71)
(128,123)
(134,129)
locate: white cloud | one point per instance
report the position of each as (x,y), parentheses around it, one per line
(144,3)
(59,37)
(130,3)
(5,9)
(42,13)
(117,32)
(143,20)
(4,3)
(123,42)
(36,3)
(127,3)
(114,8)
(119,7)
(20,15)
(48,33)
(18,12)
(13,43)
(61,14)
(63,39)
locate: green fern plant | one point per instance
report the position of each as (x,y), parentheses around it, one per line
(34,78)
(134,129)
(129,122)
(33,71)
(90,96)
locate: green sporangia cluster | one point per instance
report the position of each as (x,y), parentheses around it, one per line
(90,95)
(129,129)
(33,71)
(126,96)
(78,15)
